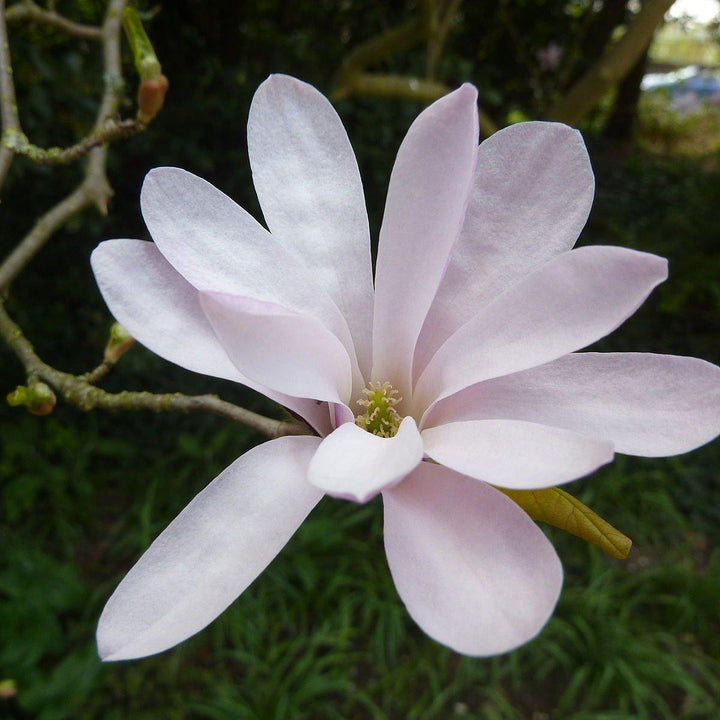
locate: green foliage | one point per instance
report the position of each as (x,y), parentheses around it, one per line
(663,128)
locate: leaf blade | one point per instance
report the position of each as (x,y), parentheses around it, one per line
(560,509)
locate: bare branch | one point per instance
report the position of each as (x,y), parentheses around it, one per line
(85,396)
(94,189)
(353,80)
(112,130)
(8,103)
(436,41)
(97,374)
(54,219)
(409,88)
(31,12)
(112,65)
(379,48)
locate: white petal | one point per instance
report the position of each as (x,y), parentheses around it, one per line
(650,405)
(475,573)
(308,184)
(531,196)
(570,302)
(288,352)
(424,211)
(161,310)
(211,552)
(514,453)
(217,247)
(356,465)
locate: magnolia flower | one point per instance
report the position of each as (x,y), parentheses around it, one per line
(456,373)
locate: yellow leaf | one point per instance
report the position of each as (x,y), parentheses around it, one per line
(558,508)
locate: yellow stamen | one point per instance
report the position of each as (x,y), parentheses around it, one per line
(380,416)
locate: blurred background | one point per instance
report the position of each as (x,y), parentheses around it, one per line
(323,634)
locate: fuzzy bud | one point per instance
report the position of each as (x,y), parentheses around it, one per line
(118,344)
(8,689)
(151,97)
(38,398)
(153,84)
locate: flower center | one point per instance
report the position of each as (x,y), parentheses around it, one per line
(380,416)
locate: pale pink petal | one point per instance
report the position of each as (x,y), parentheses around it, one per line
(218,247)
(356,465)
(161,310)
(424,211)
(650,405)
(308,184)
(514,453)
(211,552)
(288,352)
(475,573)
(570,302)
(531,196)
(341,414)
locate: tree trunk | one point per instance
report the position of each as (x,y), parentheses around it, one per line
(585,94)
(621,122)
(599,34)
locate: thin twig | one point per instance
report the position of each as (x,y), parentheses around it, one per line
(410,88)
(31,12)
(8,103)
(97,374)
(113,130)
(378,48)
(94,189)
(54,219)
(352,78)
(85,396)
(436,42)
(112,64)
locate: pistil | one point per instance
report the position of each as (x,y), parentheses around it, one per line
(380,416)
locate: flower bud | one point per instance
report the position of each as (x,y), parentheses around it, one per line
(38,398)
(8,689)
(151,96)
(118,344)
(153,84)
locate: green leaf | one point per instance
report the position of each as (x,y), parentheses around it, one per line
(558,508)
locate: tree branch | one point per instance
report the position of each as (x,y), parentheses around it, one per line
(409,88)
(54,219)
(94,189)
(31,12)
(437,39)
(379,48)
(112,130)
(98,373)
(85,396)
(352,79)
(8,103)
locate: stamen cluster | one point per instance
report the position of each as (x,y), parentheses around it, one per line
(380,416)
